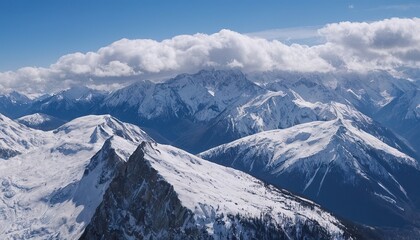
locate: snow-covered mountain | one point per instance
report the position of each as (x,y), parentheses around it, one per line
(51,188)
(40,121)
(183,108)
(14,104)
(68,104)
(200,96)
(165,193)
(403,115)
(321,135)
(368,92)
(335,163)
(389,100)
(198,111)
(76,169)
(372,91)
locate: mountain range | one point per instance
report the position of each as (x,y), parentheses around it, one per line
(86,168)
(198,111)
(346,141)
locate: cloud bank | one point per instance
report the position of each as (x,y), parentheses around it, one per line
(385,45)
(390,44)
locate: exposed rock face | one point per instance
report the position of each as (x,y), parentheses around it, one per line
(8,153)
(142,203)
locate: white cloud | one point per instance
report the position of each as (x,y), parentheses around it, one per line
(388,44)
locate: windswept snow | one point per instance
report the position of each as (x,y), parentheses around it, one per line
(16,138)
(211,190)
(38,186)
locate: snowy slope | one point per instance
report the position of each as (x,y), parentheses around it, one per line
(178,196)
(387,99)
(329,162)
(182,108)
(284,109)
(51,189)
(40,121)
(201,96)
(274,110)
(16,138)
(34,119)
(279,110)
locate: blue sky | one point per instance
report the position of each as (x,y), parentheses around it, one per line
(37,33)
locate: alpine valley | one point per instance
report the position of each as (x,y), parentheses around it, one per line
(278,155)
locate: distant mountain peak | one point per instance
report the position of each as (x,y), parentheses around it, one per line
(18,97)
(80,92)
(40,121)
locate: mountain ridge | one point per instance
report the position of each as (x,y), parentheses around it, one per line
(64,176)
(204,212)
(321,159)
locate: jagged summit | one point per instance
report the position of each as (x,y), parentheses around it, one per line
(68,104)
(51,187)
(79,93)
(315,137)
(197,199)
(17,97)
(95,127)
